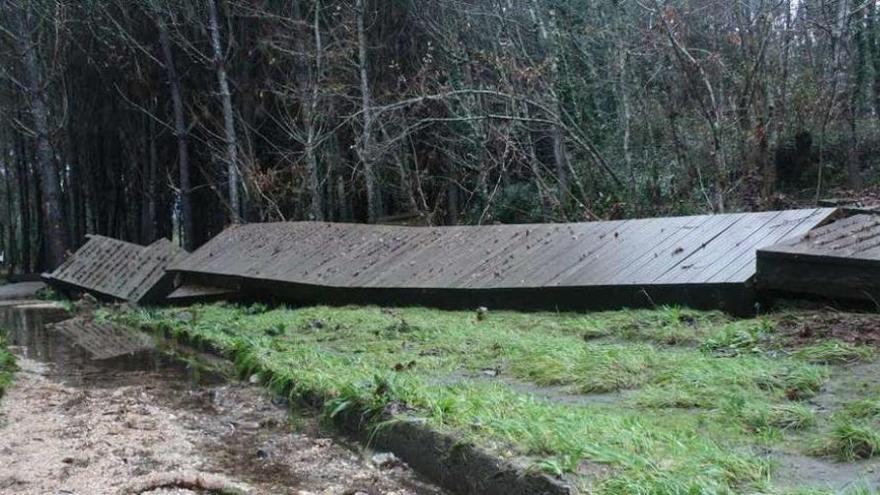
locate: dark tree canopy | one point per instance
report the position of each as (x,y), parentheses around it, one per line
(162,118)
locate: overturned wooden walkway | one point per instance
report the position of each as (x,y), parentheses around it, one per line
(702,261)
(840,260)
(118,270)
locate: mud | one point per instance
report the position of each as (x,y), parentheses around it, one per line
(810,327)
(796,469)
(71,424)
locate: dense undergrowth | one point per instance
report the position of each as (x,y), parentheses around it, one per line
(664,401)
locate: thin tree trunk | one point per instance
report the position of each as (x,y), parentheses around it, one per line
(366,150)
(310,89)
(11,253)
(549,35)
(228,117)
(24,203)
(52,205)
(151,174)
(180,131)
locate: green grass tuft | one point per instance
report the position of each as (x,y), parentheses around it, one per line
(782,416)
(864,409)
(7,365)
(834,352)
(850,440)
(747,336)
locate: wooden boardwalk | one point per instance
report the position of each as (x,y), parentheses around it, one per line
(118,270)
(703,261)
(840,260)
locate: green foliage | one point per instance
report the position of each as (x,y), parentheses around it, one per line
(781,416)
(834,352)
(7,364)
(49,294)
(740,337)
(851,439)
(865,408)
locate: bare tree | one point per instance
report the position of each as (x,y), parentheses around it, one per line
(232,171)
(181,133)
(366,149)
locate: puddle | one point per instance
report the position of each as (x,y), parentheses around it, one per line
(74,424)
(32,335)
(794,470)
(845,385)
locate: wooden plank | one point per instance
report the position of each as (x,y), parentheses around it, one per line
(585,254)
(646,256)
(691,245)
(673,233)
(116,269)
(744,267)
(840,260)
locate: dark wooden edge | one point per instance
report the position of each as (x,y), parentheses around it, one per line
(155,295)
(734,298)
(69,289)
(790,254)
(833,279)
(25,277)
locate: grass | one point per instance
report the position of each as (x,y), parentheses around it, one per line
(834,352)
(850,440)
(7,365)
(854,430)
(782,416)
(694,397)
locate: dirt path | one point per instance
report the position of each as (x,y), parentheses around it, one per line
(71,426)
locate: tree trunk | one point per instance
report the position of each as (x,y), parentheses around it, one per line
(151,177)
(11,253)
(52,205)
(180,131)
(309,79)
(24,203)
(366,150)
(228,117)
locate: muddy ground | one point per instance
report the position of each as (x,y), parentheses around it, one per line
(802,328)
(73,425)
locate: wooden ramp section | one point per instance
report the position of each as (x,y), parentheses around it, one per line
(118,270)
(702,261)
(840,260)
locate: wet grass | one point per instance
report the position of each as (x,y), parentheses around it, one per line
(706,395)
(7,365)
(834,351)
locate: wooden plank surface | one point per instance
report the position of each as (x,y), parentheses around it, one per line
(660,251)
(839,260)
(856,237)
(117,269)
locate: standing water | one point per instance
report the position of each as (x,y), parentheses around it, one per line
(75,421)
